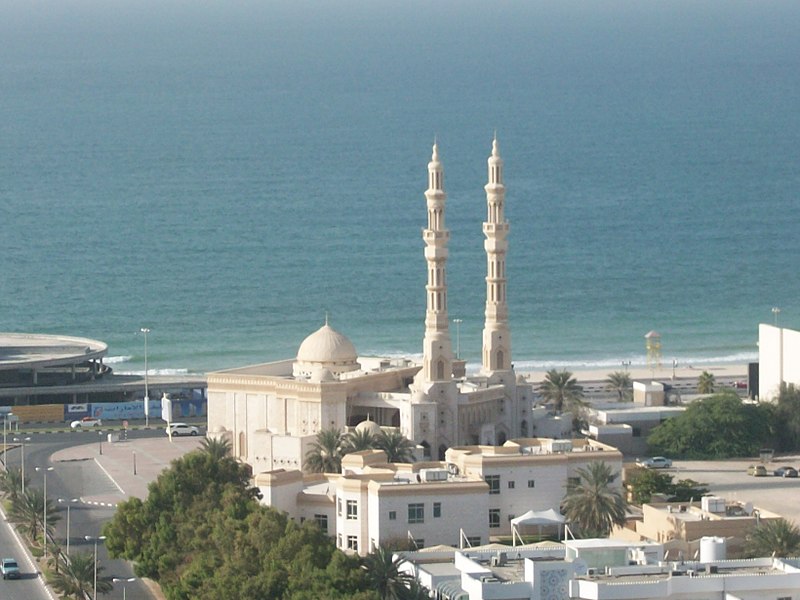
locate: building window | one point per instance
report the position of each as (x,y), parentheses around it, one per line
(352,543)
(573,481)
(352,510)
(494,483)
(416,513)
(474,540)
(437,510)
(339,506)
(636,432)
(322,522)
(392,515)
(339,541)
(531,483)
(511,485)
(494,517)
(419,542)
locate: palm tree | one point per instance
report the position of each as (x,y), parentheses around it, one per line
(398,448)
(562,389)
(218,448)
(773,537)
(358,440)
(592,503)
(74,577)
(325,455)
(706,383)
(11,483)
(26,511)
(384,576)
(620,383)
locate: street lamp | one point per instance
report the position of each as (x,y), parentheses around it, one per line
(458,323)
(123,582)
(100,433)
(5,439)
(145,331)
(22,443)
(69,503)
(776,311)
(95,539)
(44,471)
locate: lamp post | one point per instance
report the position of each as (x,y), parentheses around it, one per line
(69,503)
(5,438)
(44,471)
(95,539)
(775,312)
(145,331)
(22,443)
(458,323)
(100,433)
(123,582)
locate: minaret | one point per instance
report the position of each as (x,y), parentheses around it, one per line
(436,347)
(496,335)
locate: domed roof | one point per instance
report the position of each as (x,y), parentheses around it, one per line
(326,345)
(369,425)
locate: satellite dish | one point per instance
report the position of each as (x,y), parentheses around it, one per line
(580,566)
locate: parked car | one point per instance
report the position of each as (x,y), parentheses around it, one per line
(742,385)
(86,422)
(656,462)
(182,429)
(785,471)
(9,568)
(757,470)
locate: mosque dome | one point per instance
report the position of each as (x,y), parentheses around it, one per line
(326,345)
(368,425)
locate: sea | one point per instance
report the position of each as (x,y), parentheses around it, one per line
(231,173)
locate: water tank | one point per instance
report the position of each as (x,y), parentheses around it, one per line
(712,549)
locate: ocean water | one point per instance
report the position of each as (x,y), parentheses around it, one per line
(226,174)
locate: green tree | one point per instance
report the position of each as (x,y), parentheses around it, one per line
(787,418)
(74,577)
(562,390)
(325,454)
(686,490)
(773,537)
(27,511)
(593,503)
(720,426)
(398,448)
(11,483)
(358,440)
(706,383)
(217,448)
(647,482)
(620,383)
(384,575)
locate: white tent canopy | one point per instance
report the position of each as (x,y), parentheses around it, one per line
(544,517)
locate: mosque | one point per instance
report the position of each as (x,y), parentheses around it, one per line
(272,412)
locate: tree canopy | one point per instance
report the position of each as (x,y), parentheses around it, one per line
(647,482)
(773,537)
(593,503)
(201,534)
(720,426)
(562,389)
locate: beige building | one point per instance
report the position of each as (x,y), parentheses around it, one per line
(272,412)
(778,359)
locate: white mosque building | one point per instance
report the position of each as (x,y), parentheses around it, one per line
(272,412)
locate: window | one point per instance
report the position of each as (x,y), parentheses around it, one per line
(416,513)
(352,510)
(511,485)
(352,543)
(494,483)
(419,542)
(322,522)
(339,541)
(437,510)
(531,483)
(573,481)
(494,517)
(339,506)
(474,540)
(637,432)
(392,515)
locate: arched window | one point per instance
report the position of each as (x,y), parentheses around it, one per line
(501,438)
(440,370)
(442,450)
(500,359)
(242,445)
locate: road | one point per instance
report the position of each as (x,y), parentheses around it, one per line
(29,586)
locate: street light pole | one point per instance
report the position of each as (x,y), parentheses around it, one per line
(69,503)
(5,439)
(123,581)
(458,323)
(99,538)
(776,311)
(44,471)
(145,331)
(22,443)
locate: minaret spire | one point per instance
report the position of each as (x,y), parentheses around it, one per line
(437,347)
(496,354)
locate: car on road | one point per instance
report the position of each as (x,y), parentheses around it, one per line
(741,385)
(182,429)
(656,462)
(86,422)
(785,471)
(9,568)
(757,470)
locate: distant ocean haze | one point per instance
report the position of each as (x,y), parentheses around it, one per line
(227,175)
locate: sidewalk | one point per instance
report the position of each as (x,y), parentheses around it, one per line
(149,456)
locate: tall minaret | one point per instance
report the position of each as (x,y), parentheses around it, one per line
(496,335)
(436,347)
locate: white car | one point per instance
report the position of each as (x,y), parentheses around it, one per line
(657,462)
(86,422)
(182,429)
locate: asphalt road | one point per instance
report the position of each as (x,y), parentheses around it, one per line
(29,586)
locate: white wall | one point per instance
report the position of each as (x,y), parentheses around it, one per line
(778,359)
